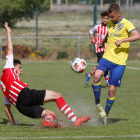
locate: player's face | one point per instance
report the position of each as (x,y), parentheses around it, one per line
(115,16)
(104,19)
(19,69)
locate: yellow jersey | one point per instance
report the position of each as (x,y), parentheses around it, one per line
(118,31)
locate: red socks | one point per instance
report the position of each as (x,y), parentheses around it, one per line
(93,71)
(65,108)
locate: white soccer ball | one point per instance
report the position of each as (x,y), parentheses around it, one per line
(78,65)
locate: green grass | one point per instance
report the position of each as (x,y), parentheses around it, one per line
(58,76)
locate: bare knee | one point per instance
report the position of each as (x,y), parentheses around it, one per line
(58,95)
(46,112)
(97,76)
(112,90)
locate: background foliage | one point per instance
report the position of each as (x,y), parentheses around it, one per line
(14,10)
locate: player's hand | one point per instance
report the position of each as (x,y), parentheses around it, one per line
(92,41)
(15,123)
(6,26)
(118,43)
(101,45)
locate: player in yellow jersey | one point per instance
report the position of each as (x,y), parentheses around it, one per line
(120,33)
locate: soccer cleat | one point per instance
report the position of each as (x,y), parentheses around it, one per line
(105,120)
(107,84)
(80,120)
(87,78)
(51,124)
(100,110)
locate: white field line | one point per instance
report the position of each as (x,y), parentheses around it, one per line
(73,137)
(96,64)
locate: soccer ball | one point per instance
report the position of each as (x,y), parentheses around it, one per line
(78,65)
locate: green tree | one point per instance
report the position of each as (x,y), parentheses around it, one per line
(14,10)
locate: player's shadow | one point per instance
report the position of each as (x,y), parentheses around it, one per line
(112,120)
(102,86)
(5,121)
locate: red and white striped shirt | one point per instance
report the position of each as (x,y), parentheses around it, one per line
(101,32)
(11,84)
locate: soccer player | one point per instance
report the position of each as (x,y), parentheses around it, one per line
(101,31)
(28,101)
(120,33)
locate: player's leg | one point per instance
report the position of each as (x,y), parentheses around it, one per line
(101,69)
(88,75)
(116,73)
(111,98)
(109,101)
(64,107)
(96,85)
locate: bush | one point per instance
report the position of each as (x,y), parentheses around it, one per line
(61,55)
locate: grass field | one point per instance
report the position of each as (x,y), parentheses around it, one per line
(124,117)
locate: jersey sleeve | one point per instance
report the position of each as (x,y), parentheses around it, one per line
(9,62)
(93,29)
(130,27)
(6,101)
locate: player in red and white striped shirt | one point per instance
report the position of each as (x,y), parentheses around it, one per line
(101,31)
(28,101)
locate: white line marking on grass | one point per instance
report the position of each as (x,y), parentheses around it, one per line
(76,137)
(133,68)
(96,64)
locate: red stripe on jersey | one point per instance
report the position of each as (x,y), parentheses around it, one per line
(101,35)
(101,32)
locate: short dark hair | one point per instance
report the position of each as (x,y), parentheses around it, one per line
(113,8)
(103,14)
(16,61)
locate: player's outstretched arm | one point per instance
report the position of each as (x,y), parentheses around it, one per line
(9,41)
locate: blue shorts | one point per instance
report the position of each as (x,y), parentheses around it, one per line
(116,71)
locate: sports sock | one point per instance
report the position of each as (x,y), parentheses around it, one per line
(50,117)
(65,108)
(106,77)
(109,103)
(93,71)
(97,91)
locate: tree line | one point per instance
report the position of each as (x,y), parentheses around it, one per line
(14,10)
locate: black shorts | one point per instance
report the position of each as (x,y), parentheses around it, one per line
(99,55)
(29,101)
